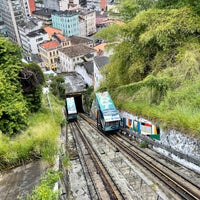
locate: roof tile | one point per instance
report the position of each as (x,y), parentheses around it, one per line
(50,44)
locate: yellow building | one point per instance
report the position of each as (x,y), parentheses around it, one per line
(48,50)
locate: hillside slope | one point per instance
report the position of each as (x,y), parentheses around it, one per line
(155,69)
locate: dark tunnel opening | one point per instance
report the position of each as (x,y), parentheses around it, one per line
(78,101)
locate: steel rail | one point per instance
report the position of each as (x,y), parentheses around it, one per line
(185,191)
(112,190)
(180,188)
(83,163)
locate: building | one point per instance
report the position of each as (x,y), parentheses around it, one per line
(29,6)
(74,55)
(35,38)
(58,5)
(44,14)
(67,21)
(89,18)
(75,40)
(25,28)
(98,5)
(82,27)
(113,6)
(83,3)
(99,63)
(3,31)
(48,50)
(38,5)
(74,7)
(51,31)
(49,53)
(102,49)
(13,13)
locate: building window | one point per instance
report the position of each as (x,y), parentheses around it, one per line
(39,39)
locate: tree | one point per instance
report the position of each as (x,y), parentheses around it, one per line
(194,5)
(32,78)
(20,88)
(13,109)
(128,9)
(153,41)
(57,86)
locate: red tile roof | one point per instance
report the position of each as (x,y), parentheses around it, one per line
(100,46)
(50,44)
(61,37)
(51,30)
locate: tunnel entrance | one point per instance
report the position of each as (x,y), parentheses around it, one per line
(75,87)
(78,101)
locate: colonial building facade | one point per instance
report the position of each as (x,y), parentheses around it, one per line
(74,55)
(48,50)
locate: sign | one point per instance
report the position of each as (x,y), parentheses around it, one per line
(107,107)
(71,107)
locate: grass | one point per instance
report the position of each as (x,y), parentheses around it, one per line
(177,108)
(181,118)
(39,140)
(45,189)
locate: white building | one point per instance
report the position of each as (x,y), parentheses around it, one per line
(89,18)
(58,5)
(98,5)
(71,56)
(99,63)
(25,28)
(36,37)
(29,7)
(82,27)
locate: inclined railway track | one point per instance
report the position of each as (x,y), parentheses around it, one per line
(178,184)
(170,178)
(104,188)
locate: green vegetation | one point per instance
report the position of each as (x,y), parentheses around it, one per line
(45,189)
(38,140)
(13,108)
(32,86)
(88,98)
(20,88)
(29,121)
(57,86)
(155,69)
(144,144)
(130,8)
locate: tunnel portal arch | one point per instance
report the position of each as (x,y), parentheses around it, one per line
(78,98)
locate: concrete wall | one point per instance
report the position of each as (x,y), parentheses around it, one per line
(174,144)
